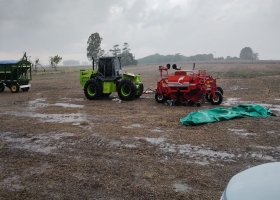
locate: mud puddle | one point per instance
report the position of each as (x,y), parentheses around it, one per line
(39,103)
(55,118)
(42,143)
(236,101)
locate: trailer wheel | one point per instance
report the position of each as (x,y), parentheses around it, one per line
(2,87)
(220,90)
(126,90)
(141,90)
(25,89)
(218,100)
(159,98)
(14,88)
(93,89)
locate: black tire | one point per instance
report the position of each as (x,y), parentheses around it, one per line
(25,89)
(220,90)
(218,100)
(2,87)
(159,98)
(141,86)
(14,87)
(93,89)
(126,90)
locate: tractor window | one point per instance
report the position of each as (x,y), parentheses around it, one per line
(105,67)
(118,67)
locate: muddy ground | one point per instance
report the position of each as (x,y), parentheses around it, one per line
(56,144)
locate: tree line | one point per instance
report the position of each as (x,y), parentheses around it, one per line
(94,51)
(245,54)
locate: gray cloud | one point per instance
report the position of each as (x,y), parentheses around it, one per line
(45,28)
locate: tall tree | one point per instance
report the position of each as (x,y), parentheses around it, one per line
(116,50)
(247,54)
(127,56)
(94,50)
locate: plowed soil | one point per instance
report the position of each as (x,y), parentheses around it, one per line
(56,144)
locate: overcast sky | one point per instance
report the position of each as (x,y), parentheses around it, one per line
(46,28)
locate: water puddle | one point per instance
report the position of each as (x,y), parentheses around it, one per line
(42,143)
(67,105)
(236,87)
(12,183)
(117,100)
(204,162)
(190,150)
(263,157)
(235,101)
(157,130)
(180,187)
(133,126)
(241,132)
(73,99)
(58,118)
(270,132)
(202,155)
(38,103)
(265,147)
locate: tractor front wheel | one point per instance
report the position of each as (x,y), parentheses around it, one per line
(126,90)
(93,89)
(2,87)
(14,88)
(218,100)
(159,98)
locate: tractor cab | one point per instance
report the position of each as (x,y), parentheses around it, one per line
(110,67)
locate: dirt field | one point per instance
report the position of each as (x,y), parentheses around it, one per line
(56,144)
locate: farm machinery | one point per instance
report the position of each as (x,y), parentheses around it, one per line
(108,78)
(187,87)
(15,74)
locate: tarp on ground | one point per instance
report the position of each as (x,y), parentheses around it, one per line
(219,114)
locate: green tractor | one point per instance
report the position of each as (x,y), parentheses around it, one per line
(109,78)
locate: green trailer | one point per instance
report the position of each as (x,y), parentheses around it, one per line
(15,75)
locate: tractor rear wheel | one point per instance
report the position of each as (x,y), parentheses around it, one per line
(141,88)
(93,89)
(159,98)
(2,87)
(25,89)
(126,90)
(14,88)
(218,100)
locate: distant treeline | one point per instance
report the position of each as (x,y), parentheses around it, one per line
(74,63)
(157,58)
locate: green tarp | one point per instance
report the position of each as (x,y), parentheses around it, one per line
(219,114)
